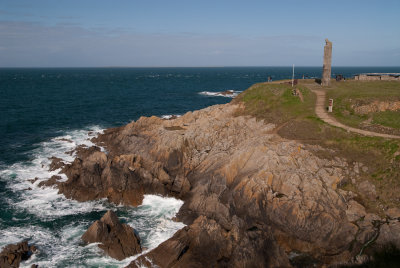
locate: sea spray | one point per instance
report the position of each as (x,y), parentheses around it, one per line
(55,224)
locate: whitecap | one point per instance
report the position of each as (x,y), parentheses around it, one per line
(226,93)
(170,116)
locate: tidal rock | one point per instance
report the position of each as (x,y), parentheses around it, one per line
(251,198)
(56,163)
(54,180)
(118,240)
(12,255)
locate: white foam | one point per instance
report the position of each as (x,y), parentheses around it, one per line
(227,93)
(60,247)
(153,219)
(170,116)
(46,203)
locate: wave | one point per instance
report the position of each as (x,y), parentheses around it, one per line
(226,93)
(170,116)
(55,224)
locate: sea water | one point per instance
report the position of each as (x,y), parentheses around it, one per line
(48,112)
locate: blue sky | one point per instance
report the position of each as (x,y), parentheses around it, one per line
(90,33)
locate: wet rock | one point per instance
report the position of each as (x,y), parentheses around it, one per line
(12,255)
(33,180)
(54,180)
(56,163)
(118,240)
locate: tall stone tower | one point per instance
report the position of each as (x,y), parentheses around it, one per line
(327,67)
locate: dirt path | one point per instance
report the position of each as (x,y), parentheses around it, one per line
(321,112)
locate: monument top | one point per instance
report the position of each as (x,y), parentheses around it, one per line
(327,67)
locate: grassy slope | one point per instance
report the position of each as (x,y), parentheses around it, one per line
(346,94)
(296,120)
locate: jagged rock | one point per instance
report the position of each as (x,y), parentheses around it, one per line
(355,211)
(206,244)
(33,180)
(255,197)
(56,163)
(12,255)
(389,234)
(54,180)
(118,240)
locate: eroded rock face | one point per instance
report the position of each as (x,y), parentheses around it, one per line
(252,199)
(118,240)
(377,106)
(12,255)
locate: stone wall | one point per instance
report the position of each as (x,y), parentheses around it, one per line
(377,77)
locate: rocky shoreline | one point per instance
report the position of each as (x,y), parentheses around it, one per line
(251,198)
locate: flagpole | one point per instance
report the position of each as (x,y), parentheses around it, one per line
(293,76)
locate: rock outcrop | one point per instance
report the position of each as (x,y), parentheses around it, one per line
(252,199)
(118,240)
(12,255)
(376,106)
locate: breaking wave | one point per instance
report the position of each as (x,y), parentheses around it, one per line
(55,224)
(226,93)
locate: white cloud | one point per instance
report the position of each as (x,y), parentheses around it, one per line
(33,44)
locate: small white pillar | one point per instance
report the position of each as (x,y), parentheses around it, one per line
(330,106)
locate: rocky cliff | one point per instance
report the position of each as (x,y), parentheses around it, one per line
(252,199)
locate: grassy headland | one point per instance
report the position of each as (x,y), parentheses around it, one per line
(351,94)
(296,120)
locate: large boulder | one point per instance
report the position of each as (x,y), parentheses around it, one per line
(13,254)
(118,240)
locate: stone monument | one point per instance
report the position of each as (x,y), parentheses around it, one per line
(326,69)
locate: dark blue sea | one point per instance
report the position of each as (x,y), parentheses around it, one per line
(47,112)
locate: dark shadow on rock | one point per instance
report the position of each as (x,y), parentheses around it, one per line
(118,240)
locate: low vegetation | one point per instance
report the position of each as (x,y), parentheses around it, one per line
(351,94)
(296,119)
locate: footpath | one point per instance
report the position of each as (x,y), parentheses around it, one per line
(320,110)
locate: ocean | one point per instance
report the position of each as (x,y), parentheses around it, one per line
(42,108)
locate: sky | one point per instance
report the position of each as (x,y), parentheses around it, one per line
(151,33)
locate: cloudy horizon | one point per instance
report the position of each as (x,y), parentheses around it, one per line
(138,34)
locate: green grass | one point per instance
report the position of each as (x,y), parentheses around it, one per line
(276,103)
(352,93)
(387,118)
(296,120)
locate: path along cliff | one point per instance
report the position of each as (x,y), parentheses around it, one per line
(252,199)
(320,111)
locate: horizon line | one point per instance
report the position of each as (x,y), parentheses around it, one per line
(215,66)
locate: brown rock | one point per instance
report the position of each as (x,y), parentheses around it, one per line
(33,180)
(251,197)
(12,255)
(368,189)
(389,234)
(393,213)
(118,240)
(56,163)
(54,180)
